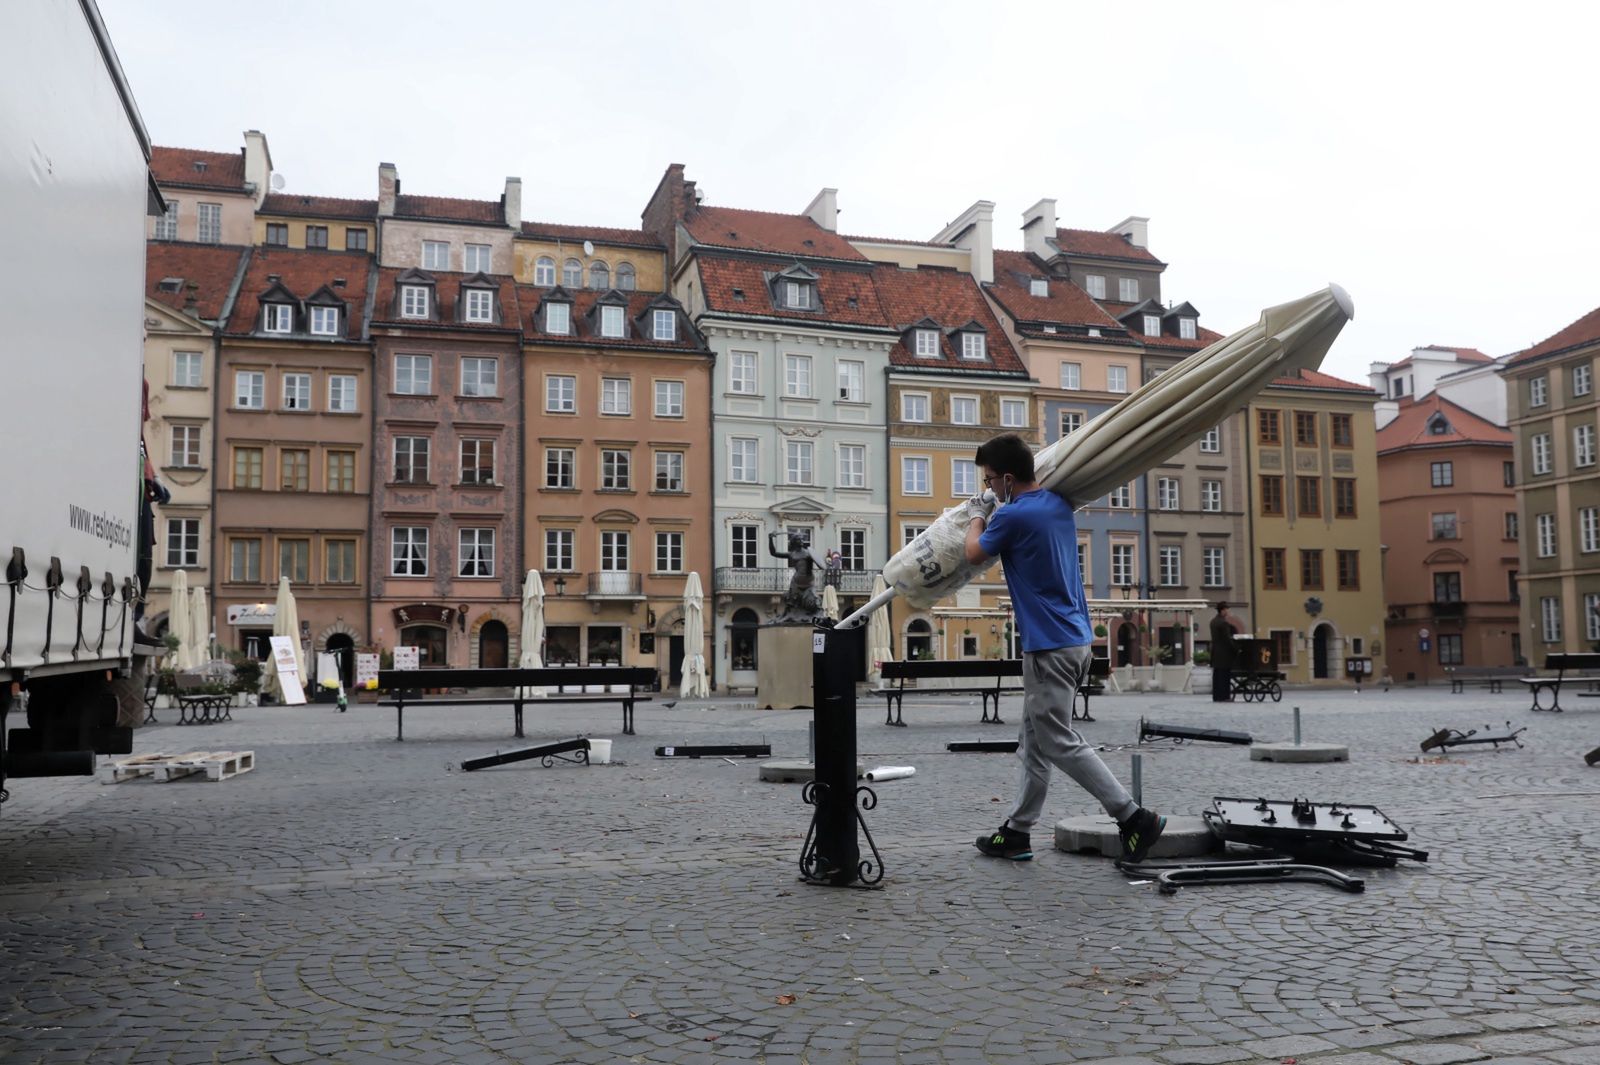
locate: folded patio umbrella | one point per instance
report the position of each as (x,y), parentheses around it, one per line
(694,684)
(180,622)
(532,629)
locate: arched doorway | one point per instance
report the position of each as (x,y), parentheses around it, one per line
(919,640)
(494,645)
(429,640)
(343,650)
(1322,652)
(1127,642)
(742,642)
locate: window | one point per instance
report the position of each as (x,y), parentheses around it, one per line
(1541,453)
(742,372)
(1211,496)
(1344,497)
(477,461)
(1116,378)
(853,549)
(277,318)
(1442,474)
(1538,391)
(413,375)
(558,548)
(1187,328)
(477,258)
(669,399)
(186,369)
(341,471)
(572,274)
(852,466)
(435,255)
(1588,529)
(1152,325)
(669,471)
(244,562)
(247,467)
(1508,474)
(1305,428)
(480,377)
(797,461)
(561,394)
(411,459)
(278,234)
(294,560)
(1582,381)
(1095,284)
(1128,289)
(183,541)
(1447,587)
(625,279)
(909,533)
(558,318)
(1550,618)
(1513,528)
(1308,497)
(1121,564)
(296,391)
(1341,430)
(852,382)
(742,455)
(1038,286)
(355,240)
(1071,421)
(914,476)
(1211,443)
(185,450)
(1311,569)
(1546,527)
(1013,413)
(797,375)
(408,555)
(339,561)
(1271,494)
(1169,566)
(963,478)
(1121,497)
(669,552)
(413,301)
(613,552)
(167,224)
(1167,493)
(294,470)
(913,407)
(1267,427)
(209,227)
(1449,649)
(1583,445)
(616,395)
(1273,568)
(325,321)
(612,323)
(616,470)
(1213,567)
(664,325)
(1444,526)
(316,236)
(927,344)
(1591,616)
(1083,565)
(599,276)
(742,544)
(480,305)
(1071,376)
(544,271)
(476,552)
(963,410)
(1349,567)
(974,346)
(797,295)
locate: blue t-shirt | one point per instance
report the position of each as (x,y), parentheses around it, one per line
(1036,540)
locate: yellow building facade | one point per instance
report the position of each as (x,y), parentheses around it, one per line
(325,222)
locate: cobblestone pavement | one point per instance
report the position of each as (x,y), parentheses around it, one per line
(356,899)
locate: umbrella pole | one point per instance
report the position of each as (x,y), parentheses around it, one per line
(859,617)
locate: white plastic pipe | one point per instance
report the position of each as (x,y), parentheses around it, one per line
(890,772)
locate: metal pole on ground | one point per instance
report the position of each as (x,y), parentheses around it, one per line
(1297,726)
(1138,779)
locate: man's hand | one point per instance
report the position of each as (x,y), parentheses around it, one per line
(983,504)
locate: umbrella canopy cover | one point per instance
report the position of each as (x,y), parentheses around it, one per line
(200,622)
(532,629)
(830,603)
(880,638)
(287,623)
(696,684)
(180,621)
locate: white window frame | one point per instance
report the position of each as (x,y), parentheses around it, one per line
(484,379)
(1545,538)
(1211,443)
(743,368)
(910,400)
(1072,376)
(1591,616)
(669,399)
(475,553)
(480,305)
(1117,379)
(963,478)
(616,396)
(1582,379)
(418,452)
(1095,285)
(1188,329)
(1167,494)
(797,295)
(571,274)
(1582,445)
(208,223)
(167,224)
(1122,569)
(183,362)
(1213,567)
(744,459)
(909,532)
(184,535)
(974,347)
(744,546)
(296,391)
(477,258)
(616,469)
(1069,421)
(1127,290)
(1211,496)
(616,551)
(967,404)
(1152,325)
(277,318)
(1121,497)
(852,377)
(1589,529)
(1013,413)
(663,324)
(1169,566)
(797,380)
(560,553)
(927,344)
(799,462)
(477,445)
(669,471)
(852,465)
(560,393)
(419,372)
(324,321)
(1550,618)
(561,468)
(1541,453)
(1039,287)
(558,318)
(436,255)
(669,552)
(613,321)
(185,454)
(916,475)
(544,272)
(413,539)
(249,390)
(413,301)
(1538,391)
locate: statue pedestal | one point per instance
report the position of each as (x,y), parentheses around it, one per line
(783,666)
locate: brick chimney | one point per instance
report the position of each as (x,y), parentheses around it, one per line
(388,189)
(511,202)
(824,209)
(973,230)
(1039,230)
(673,201)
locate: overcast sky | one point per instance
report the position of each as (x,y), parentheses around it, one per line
(1436,159)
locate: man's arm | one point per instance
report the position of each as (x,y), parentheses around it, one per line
(975,552)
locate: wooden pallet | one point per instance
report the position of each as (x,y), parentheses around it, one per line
(216,765)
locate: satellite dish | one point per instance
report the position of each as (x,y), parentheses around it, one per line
(588,247)
(277,182)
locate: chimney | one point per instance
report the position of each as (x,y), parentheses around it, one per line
(1134,230)
(973,230)
(1039,230)
(824,209)
(257,164)
(673,200)
(388,189)
(512,202)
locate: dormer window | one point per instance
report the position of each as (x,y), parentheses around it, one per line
(413,301)
(277,318)
(797,295)
(611,320)
(1152,325)
(927,343)
(479,305)
(558,319)
(974,346)
(1188,328)
(1438,426)
(664,325)
(1038,286)
(324,321)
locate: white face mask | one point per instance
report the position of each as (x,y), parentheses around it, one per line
(1009,487)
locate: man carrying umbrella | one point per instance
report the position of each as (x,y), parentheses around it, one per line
(1036,539)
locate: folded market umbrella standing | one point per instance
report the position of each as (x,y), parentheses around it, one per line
(880,639)
(696,685)
(287,623)
(180,621)
(830,602)
(532,629)
(200,623)
(1145,429)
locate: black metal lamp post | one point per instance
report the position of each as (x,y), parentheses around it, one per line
(831,855)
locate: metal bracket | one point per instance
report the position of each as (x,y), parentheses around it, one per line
(1181,733)
(547,753)
(815,868)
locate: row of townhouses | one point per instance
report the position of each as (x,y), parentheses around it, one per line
(403,404)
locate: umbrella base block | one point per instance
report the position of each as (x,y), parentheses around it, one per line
(1299,752)
(1184,837)
(779,685)
(796,771)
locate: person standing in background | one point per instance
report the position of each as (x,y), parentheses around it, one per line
(1222,656)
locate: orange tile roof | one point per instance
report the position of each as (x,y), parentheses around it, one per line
(1410,427)
(530,297)
(176,168)
(1067,304)
(739,286)
(1585,330)
(1203,337)
(319,207)
(302,273)
(767,231)
(599,234)
(1102,245)
(210,267)
(952,300)
(448,209)
(1317,379)
(1461,354)
(447,290)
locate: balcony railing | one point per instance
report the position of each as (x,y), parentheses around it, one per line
(775,579)
(1454,609)
(612,584)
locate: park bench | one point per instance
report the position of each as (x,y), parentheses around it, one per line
(987,677)
(1582,664)
(1491,677)
(624,685)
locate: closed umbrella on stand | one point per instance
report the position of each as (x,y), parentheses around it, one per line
(880,639)
(200,622)
(830,602)
(180,621)
(532,629)
(696,685)
(287,623)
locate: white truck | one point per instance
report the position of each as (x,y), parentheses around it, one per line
(75,190)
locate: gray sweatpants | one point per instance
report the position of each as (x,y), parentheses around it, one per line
(1050,681)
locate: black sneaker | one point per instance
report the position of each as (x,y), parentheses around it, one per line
(1139,833)
(1006,842)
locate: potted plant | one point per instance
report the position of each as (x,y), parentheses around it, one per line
(246,679)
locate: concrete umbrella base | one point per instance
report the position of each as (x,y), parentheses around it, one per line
(1185,837)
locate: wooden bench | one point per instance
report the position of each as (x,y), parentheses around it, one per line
(993,672)
(405,689)
(1491,677)
(1563,662)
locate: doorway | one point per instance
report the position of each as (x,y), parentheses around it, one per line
(494,645)
(1321,638)
(919,641)
(429,640)
(1127,634)
(675,660)
(343,650)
